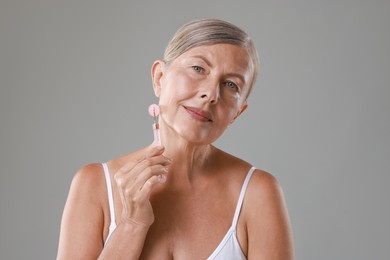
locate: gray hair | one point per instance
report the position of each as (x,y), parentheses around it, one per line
(211,31)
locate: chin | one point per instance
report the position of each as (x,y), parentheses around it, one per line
(192,132)
(195,135)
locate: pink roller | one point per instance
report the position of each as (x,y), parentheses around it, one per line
(154,110)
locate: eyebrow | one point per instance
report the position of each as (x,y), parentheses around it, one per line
(204,59)
(239,76)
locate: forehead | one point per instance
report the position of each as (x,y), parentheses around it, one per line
(228,56)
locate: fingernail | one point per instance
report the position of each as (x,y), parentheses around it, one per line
(162,178)
(160,147)
(165,169)
(167,159)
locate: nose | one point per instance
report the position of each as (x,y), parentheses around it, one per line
(210,92)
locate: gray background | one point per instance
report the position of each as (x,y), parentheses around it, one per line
(75,87)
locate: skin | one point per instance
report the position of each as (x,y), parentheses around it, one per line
(177,201)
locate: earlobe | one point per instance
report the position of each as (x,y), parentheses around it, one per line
(157,73)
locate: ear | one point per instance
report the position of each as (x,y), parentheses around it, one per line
(243,108)
(157,73)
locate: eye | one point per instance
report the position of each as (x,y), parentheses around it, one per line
(198,69)
(232,85)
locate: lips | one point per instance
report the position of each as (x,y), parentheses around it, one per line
(199,114)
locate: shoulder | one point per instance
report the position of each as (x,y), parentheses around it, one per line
(83,216)
(264,193)
(88,182)
(266,217)
(90,179)
(263,185)
(89,174)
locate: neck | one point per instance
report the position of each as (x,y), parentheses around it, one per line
(188,158)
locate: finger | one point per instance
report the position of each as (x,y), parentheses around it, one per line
(144,193)
(148,163)
(143,171)
(148,173)
(152,150)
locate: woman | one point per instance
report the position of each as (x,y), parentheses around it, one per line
(184,199)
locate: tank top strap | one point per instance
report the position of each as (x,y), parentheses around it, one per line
(110,199)
(241,198)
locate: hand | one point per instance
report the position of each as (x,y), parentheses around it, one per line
(135,183)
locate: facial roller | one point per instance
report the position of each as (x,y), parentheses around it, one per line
(154,111)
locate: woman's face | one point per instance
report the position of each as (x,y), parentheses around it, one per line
(203,90)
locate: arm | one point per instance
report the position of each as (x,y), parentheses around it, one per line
(126,242)
(269,228)
(83,218)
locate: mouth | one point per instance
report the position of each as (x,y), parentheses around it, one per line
(199,114)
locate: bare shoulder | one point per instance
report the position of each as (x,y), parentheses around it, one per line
(263,185)
(83,217)
(88,181)
(88,172)
(87,191)
(268,225)
(264,196)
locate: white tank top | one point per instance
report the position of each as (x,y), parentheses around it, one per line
(228,249)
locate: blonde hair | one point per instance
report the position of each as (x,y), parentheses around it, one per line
(211,31)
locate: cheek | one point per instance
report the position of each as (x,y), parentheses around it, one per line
(230,105)
(233,99)
(236,97)
(172,92)
(176,87)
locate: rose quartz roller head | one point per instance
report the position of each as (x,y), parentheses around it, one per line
(154,111)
